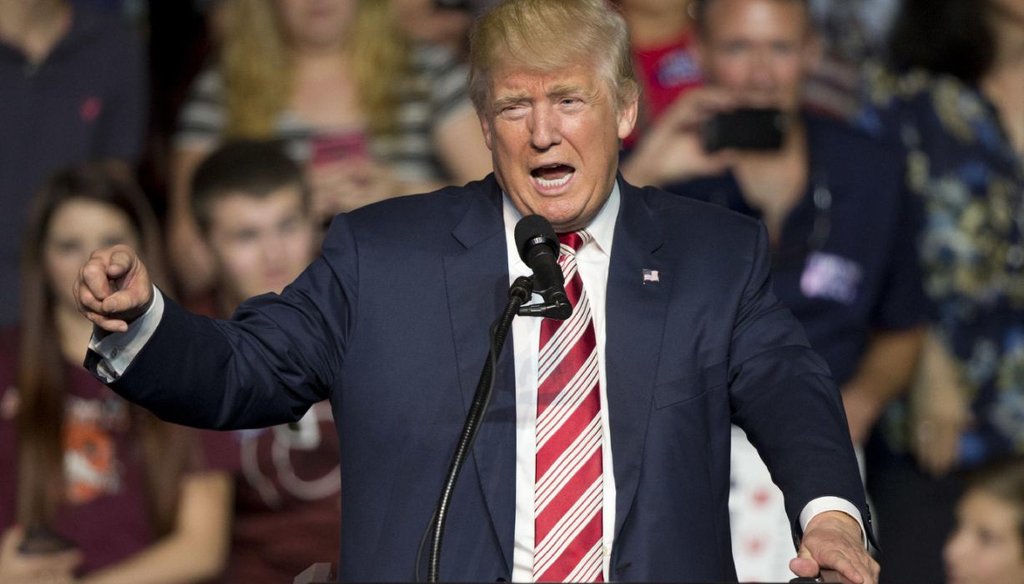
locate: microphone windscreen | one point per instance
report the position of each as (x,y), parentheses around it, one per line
(532,230)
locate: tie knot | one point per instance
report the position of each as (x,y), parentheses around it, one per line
(574,240)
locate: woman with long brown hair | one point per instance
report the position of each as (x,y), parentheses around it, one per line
(93,487)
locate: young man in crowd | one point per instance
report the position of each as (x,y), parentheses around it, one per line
(253,208)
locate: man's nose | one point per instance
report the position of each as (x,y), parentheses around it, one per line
(761,74)
(272,246)
(545,129)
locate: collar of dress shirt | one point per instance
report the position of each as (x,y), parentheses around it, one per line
(602,227)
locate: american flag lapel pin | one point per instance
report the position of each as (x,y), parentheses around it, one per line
(650,276)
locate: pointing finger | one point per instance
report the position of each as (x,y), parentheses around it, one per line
(121,263)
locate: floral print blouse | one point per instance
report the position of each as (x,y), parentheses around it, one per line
(972,248)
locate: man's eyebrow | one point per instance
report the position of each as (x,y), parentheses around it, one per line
(564,89)
(511,99)
(560,91)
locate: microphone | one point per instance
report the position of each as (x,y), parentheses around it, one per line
(538,246)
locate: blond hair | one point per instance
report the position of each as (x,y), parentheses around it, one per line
(545,35)
(257,66)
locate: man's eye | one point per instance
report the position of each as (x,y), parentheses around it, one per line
(245,236)
(513,111)
(289,226)
(784,48)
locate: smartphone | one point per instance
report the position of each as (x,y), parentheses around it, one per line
(745,129)
(474,7)
(337,147)
(41,540)
(453,5)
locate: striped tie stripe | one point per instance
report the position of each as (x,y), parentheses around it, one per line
(576,390)
(579,451)
(566,339)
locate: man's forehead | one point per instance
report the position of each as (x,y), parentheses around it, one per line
(234,202)
(734,15)
(512,80)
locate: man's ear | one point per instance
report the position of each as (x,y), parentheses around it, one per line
(627,116)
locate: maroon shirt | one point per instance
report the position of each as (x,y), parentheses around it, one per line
(105,514)
(287,505)
(287,493)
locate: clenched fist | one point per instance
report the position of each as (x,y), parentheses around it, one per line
(113,288)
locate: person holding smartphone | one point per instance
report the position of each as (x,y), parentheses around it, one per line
(841,225)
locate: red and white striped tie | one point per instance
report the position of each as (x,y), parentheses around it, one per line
(569,490)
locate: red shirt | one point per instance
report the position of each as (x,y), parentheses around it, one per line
(664,72)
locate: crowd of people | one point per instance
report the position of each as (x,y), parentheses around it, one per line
(892,197)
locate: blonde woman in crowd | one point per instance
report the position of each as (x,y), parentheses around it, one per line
(368,113)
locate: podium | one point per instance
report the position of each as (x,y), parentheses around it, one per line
(320,573)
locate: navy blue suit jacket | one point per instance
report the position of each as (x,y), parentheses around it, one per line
(391,324)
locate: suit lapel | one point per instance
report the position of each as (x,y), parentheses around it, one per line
(476,278)
(635,313)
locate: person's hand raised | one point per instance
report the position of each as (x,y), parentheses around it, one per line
(113,288)
(672,148)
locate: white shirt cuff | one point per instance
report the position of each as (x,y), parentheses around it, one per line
(823,504)
(116,351)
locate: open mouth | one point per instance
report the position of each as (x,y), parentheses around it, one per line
(552,176)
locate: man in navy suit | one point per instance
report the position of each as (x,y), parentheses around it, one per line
(391,325)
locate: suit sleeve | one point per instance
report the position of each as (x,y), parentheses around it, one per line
(277,356)
(782,394)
